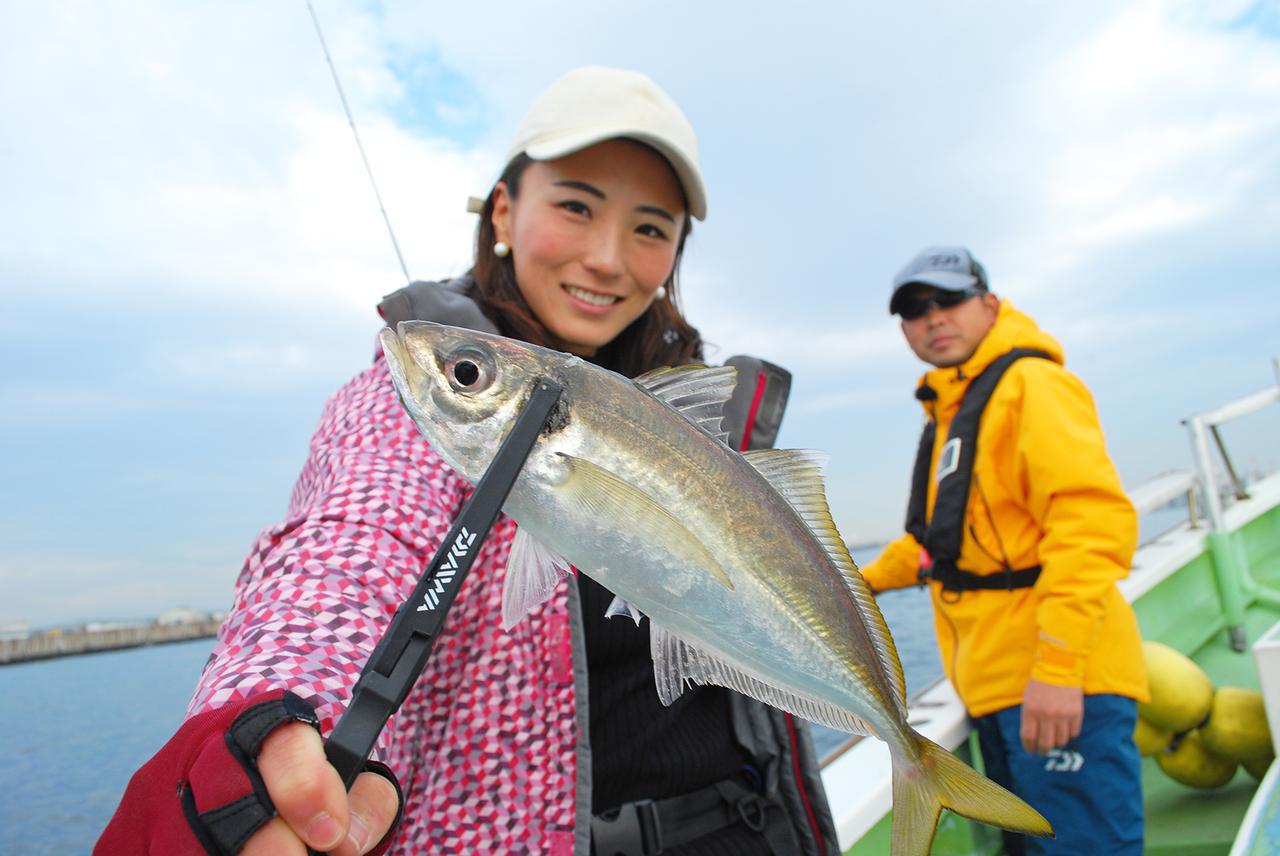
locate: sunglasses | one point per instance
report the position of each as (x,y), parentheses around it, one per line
(912,308)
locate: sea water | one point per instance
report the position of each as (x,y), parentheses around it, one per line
(73,730)
(76,729)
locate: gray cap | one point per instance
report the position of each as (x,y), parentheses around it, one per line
(948,268)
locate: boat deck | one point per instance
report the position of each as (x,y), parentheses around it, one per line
(1182,820)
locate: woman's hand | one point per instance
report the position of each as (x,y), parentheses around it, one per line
(314,809)
(221,760)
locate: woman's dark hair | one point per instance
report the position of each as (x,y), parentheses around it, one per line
(659,337)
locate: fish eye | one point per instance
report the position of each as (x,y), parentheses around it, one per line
(466,372)
(469,370)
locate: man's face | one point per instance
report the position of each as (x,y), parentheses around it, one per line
(945,337)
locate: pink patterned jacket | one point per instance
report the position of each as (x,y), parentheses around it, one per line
(486,745)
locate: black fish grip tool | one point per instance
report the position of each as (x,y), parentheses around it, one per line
(402,653)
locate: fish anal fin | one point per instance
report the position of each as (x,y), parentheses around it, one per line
(676,661)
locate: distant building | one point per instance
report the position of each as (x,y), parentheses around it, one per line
(182,615)
(105,626)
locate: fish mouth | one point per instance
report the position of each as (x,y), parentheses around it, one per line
(397,359)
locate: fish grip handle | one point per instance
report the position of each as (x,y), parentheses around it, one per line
(402,653)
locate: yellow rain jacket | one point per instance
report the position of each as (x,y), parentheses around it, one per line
(1044,492)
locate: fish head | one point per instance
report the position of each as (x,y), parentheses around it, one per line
(463,388)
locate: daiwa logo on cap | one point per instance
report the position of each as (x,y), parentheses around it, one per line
(944,260)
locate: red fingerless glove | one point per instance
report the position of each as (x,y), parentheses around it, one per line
(201,793)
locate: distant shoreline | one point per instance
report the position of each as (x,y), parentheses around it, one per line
(52,644)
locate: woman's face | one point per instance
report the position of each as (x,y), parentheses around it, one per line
(592,236)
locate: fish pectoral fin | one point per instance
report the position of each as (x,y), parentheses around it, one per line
(618,606)
(604,496)
(533,570)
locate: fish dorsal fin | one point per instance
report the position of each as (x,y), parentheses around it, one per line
(697,392)
(797,475)
(676,661)
(603,496)
(533,570)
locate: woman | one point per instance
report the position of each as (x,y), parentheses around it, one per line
(546,739)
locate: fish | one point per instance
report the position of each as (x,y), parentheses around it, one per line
(733,557)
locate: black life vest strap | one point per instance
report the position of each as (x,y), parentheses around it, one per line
(954,579)
(942,534)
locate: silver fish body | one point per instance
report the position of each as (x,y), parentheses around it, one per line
(733,557)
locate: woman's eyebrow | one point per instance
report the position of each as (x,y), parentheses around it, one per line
(657,212)
(581,185)
(598,193)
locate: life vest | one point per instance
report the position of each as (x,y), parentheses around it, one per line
(941,533)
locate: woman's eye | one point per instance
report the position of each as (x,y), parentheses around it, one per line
(576,207)
(649,230)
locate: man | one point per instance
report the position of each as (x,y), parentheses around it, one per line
(1019,524)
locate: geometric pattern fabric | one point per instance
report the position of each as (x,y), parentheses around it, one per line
(484,746)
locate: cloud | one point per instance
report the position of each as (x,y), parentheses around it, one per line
(190,249)
(1163,121)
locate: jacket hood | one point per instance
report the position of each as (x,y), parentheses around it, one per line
(1012,329)
(451,302)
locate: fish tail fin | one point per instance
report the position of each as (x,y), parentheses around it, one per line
(941,780)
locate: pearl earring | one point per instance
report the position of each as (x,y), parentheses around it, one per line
(501,250)
(661,293)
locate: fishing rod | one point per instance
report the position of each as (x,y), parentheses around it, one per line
(400,656)
(360,146)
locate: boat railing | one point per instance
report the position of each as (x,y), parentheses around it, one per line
(1165,489)
(1235,582)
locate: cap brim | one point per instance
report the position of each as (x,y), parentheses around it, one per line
(575,141)
(945,280)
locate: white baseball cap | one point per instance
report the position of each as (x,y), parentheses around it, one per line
(592,104)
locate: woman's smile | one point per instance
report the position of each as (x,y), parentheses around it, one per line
(595,302)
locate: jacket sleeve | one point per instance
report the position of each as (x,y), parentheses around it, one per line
(318,590)
(897,566)
(1089,527)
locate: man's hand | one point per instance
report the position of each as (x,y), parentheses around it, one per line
(313,805)
(1051,716)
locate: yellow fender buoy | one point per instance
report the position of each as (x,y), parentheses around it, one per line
(1150,739)
(1194,766)
(1181,692)
(1237,726)
(1258,767)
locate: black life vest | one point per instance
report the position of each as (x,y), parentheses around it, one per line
(942,533)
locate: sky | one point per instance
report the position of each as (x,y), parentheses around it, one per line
(191,252)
